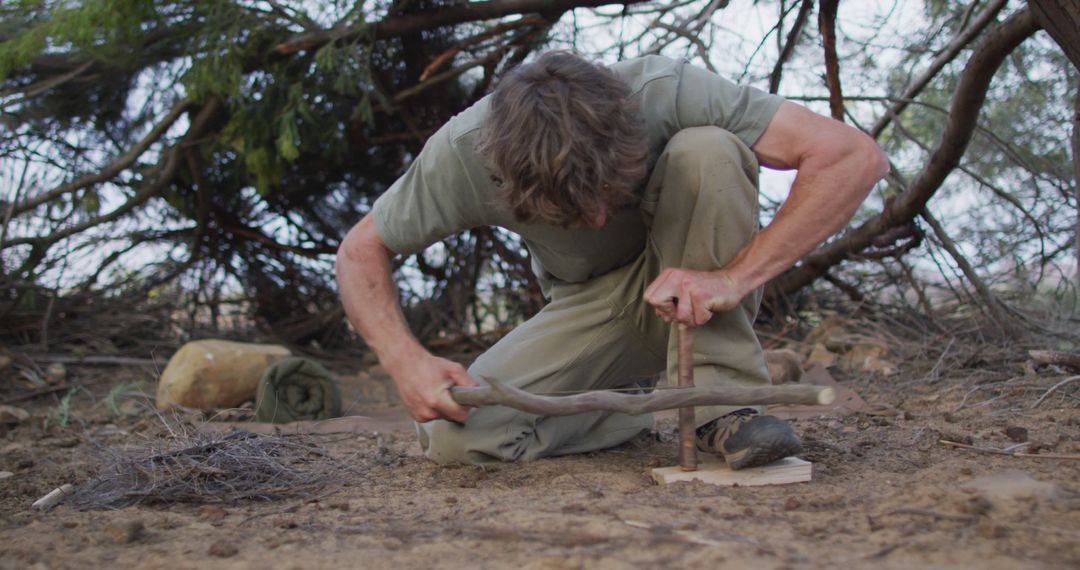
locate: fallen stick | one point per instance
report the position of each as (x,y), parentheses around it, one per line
(1010,451)
(1054,357)
(499,394)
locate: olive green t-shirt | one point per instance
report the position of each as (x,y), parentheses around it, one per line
(447,189)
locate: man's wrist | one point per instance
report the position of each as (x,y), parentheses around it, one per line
(730,280)
(400,355)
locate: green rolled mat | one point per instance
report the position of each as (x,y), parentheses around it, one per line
(296,389)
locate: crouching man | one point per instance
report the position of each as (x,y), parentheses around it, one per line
(635,189)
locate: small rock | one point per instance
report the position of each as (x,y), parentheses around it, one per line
(1016,433)
(977,505)
(785,366)
(66,442)
(991,530)
(6,474)
(791,504)
(212,513)
(125,532)
(5,361)
(223,549)
(11,415)
(56,373)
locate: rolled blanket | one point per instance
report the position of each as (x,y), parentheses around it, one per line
(296,389)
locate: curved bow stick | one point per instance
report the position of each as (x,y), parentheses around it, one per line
(499,394)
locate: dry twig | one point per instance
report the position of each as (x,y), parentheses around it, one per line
(1055,388)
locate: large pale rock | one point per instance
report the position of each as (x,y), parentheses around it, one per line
(208,374)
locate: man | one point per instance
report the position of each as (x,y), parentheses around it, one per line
(635,190)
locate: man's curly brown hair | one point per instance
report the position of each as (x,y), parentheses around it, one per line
(565,140)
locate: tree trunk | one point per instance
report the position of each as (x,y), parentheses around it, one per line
(1076,175)
(1061,19)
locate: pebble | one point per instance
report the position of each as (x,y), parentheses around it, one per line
(1016,433)
(56,373)
(12,415)
(6,474)
(125,532)
(223,549)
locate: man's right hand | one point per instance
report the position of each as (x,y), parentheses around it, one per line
(424,383)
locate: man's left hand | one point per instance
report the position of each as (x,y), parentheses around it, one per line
(691,297)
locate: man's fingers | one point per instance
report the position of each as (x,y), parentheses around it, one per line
(650,291)
(461,377)
(702,314)
(450,409)
(684,308)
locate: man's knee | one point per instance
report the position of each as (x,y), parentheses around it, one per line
(489,435)
(711,146)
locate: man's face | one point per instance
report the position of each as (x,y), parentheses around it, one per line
(598,219)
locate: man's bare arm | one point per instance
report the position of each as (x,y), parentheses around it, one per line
(837,167)
(371,302)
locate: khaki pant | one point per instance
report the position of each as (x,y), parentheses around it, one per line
(701,207)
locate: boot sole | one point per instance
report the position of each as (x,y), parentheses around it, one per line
(756,445)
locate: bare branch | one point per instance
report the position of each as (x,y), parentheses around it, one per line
(827,25)
(962,39)
(968,100)
(165,172)
(989,300)
(112,170)
(44,85)
(789,44)
(395,26)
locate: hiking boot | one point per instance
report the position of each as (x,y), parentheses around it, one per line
(745,438)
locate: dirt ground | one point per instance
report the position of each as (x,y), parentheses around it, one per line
(885,492)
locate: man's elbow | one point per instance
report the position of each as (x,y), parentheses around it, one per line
(361,244)
(875,161)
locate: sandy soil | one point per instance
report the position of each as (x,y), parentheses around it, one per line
(885,494)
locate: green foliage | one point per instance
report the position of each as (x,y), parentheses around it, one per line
(118,393)
(100,29)
(61,415)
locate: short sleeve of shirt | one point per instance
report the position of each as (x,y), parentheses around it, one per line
(434,199)
(705,98)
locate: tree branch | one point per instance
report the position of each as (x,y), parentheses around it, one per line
(1060,19)
(955,46)
(499,394)
(166,170)
(789,44)
(395,26)
(968,100)
(112,170)
(827,25)
(989,300)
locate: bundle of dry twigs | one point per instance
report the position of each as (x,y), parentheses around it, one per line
(208,469)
